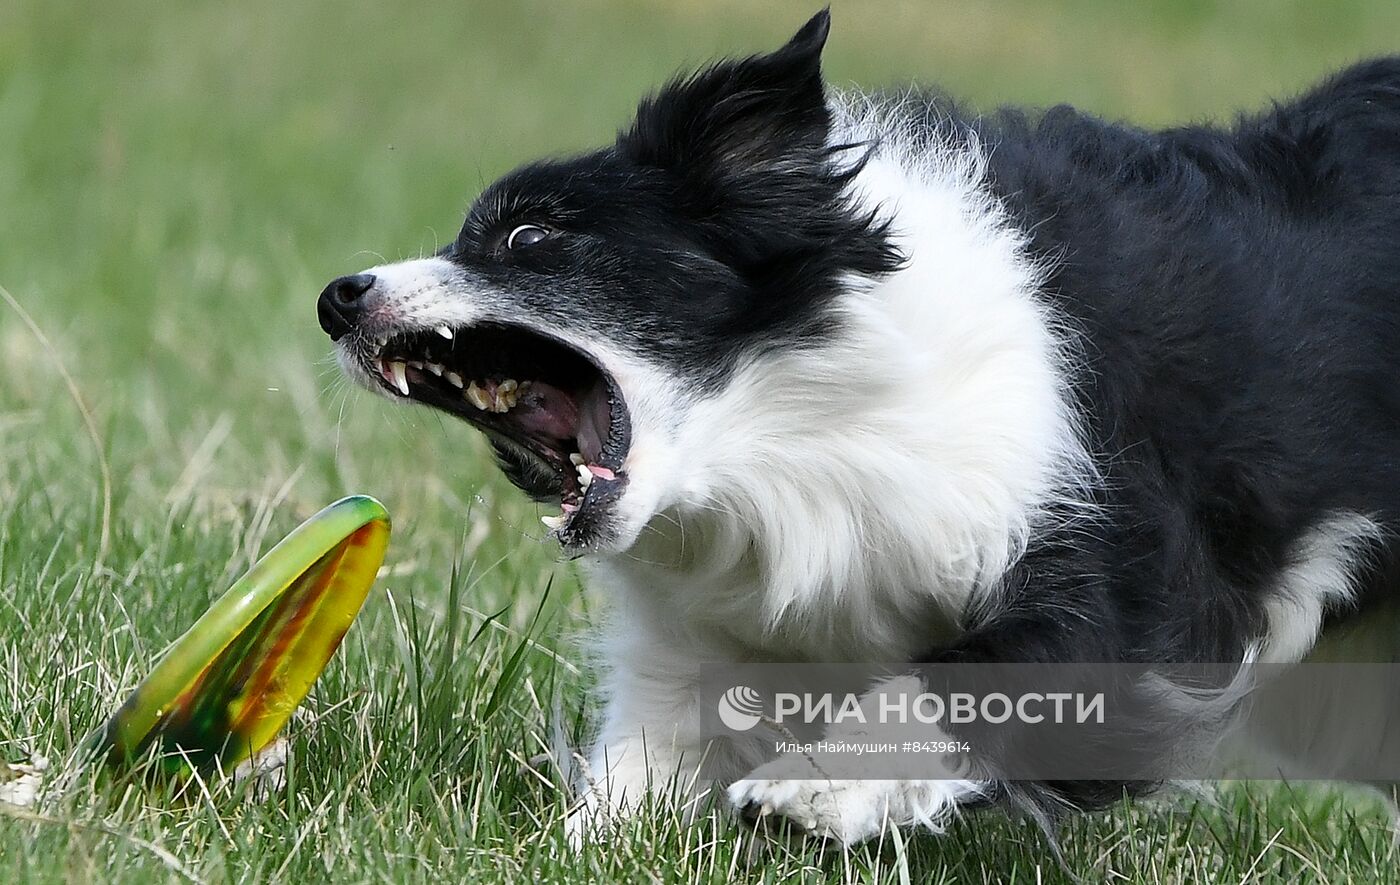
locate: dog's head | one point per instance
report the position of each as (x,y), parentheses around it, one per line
(589,304)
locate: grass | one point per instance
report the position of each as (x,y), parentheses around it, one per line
(178,181)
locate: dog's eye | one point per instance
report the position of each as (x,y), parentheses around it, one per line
(525,235)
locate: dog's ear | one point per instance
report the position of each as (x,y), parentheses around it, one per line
(744,149)
(739,116)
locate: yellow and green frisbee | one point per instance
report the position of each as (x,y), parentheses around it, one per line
(226,687)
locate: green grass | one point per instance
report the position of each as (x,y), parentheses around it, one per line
(177,181)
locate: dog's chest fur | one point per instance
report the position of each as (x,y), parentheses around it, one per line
(934,433)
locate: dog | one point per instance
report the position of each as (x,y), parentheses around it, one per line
(825,376)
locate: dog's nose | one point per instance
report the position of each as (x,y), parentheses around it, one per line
(341,304)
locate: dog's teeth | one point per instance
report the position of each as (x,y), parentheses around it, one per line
(434,368)
(552,522)
(477,397)
(576,459)
(414,364)
(444,332)
(585,476)
(454,379)
(396,368)
(507,394)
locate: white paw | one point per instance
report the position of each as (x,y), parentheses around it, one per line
(266,770)
(851,811)
(20,784)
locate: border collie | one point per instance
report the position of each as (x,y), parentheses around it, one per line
(827,376)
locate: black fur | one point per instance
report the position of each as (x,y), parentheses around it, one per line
(1238,293)
(715,226)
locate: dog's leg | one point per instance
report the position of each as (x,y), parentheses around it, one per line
(853,810)
(651,744)
(1056,617)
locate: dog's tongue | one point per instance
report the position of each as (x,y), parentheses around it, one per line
(581,424)
(546,412)
(594,417)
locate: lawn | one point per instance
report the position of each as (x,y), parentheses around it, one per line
(177,182)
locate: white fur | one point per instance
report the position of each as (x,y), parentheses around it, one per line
(797,786)
(1299,728)
(851,811)
(1337,726)
(859,494)
(1320,578)
(846,502)
(426,292)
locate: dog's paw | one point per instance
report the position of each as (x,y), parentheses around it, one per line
(850,811)
(265,772)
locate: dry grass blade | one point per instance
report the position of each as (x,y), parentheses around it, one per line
(104,539)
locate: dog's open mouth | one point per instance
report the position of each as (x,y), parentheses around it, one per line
(555,417)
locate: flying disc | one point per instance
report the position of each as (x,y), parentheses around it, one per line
(226,687)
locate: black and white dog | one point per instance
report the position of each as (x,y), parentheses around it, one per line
(843,377)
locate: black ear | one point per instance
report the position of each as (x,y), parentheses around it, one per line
(811,37)
(739,115)
(743,152)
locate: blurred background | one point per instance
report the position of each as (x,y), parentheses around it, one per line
(179,179)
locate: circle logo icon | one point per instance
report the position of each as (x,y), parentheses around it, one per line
(740,708)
